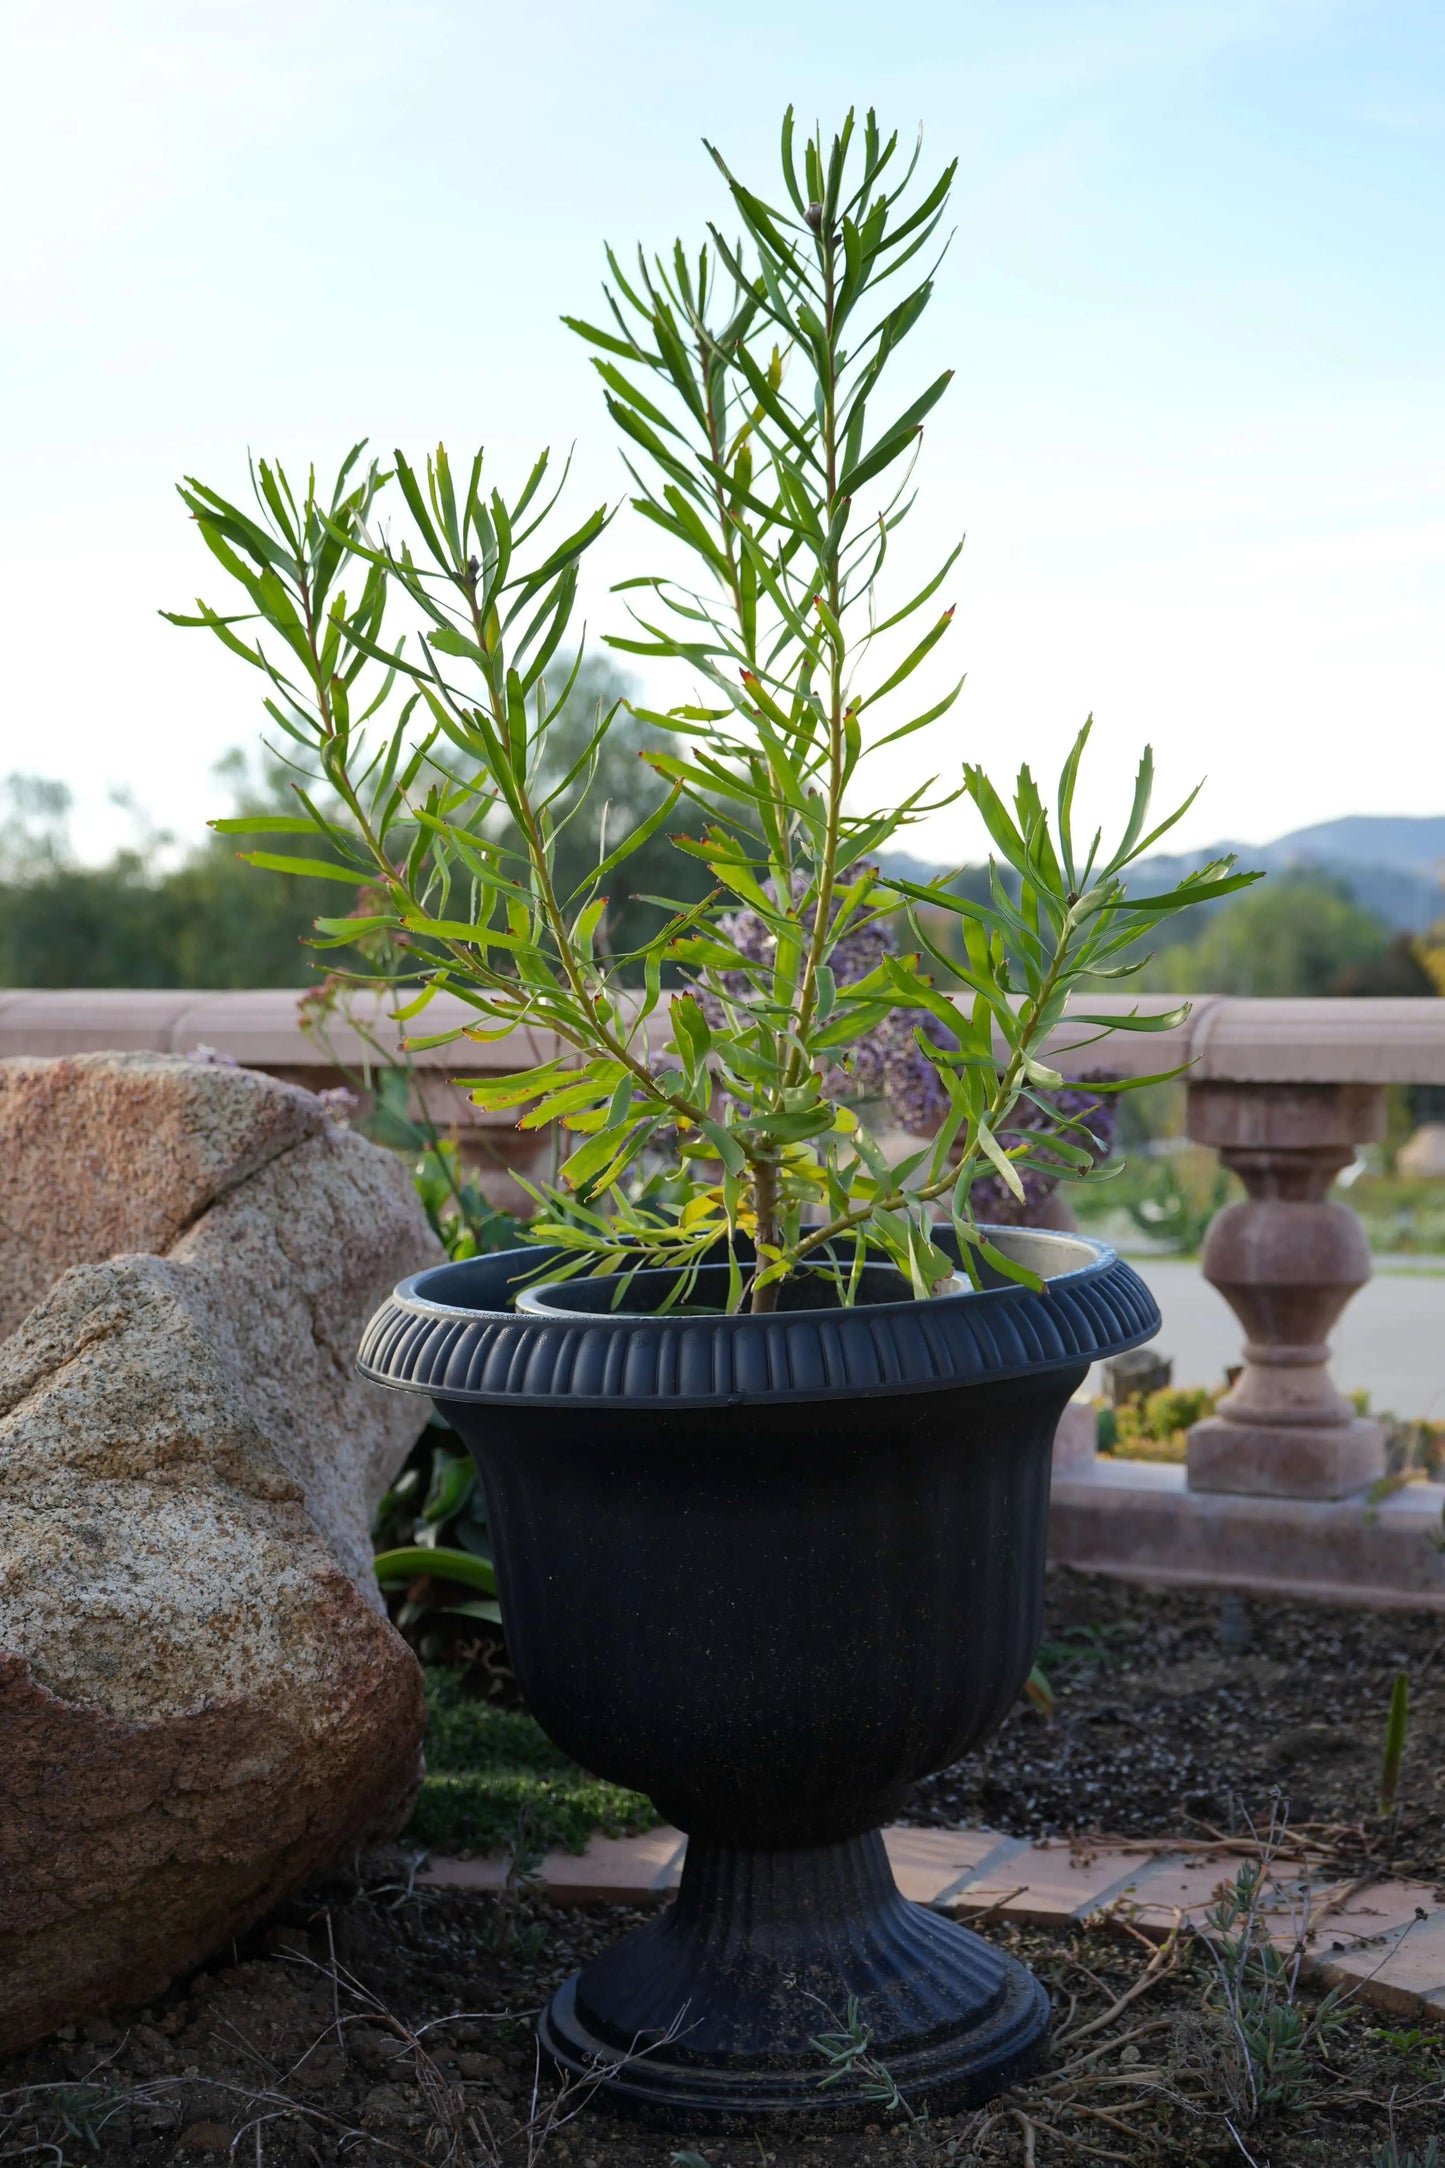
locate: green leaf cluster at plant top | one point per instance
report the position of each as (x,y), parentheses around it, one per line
(702,1078)
(495,1782)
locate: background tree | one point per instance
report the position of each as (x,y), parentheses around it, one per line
(208,922)
(212,921)
(1298,933)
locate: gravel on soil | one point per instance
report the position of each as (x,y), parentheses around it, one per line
(1184,1710)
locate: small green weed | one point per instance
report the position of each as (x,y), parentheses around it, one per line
(1397,1725)
(1076,1647)
(1085,1646)
(1420,2048)
(849,2054)
(1272,2049)
(1392,2157)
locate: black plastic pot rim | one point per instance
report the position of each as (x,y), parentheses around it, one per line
(482,1352)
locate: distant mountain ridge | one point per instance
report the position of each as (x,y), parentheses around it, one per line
(1392,863)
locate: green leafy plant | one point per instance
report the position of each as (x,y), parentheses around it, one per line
(1420,2048)
(461,1216)
(1076,1647)
(1392,2157)
(704,1077)
(1157,1427)
(433,1551)
(1086,1646)
(849,2055)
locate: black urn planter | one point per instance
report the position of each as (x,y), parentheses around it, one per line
(771,1571)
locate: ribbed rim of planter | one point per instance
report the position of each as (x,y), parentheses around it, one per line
(449,1332)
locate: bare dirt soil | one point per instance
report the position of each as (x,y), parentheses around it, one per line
(377,2025)
(373,2023)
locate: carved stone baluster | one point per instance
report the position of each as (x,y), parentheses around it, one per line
(1287,1260)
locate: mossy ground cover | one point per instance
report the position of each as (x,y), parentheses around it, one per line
(496,1782)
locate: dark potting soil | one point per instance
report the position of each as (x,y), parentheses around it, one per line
(1181,1710)
(376,2025)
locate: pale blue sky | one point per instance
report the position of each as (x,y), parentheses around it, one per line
(1195,303)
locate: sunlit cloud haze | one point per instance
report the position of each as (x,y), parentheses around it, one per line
(1194,301)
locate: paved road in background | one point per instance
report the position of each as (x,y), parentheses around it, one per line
(1391,1339)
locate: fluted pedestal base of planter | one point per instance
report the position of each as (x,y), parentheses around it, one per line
(713,2012)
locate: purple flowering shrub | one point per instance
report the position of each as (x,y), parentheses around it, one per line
(888,1063)
(1087,1118)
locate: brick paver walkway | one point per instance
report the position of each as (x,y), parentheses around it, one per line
(1385,1940)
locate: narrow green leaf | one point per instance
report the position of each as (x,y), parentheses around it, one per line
(411,1560)
(313,868)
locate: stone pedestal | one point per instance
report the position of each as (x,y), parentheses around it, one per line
(1286,1261)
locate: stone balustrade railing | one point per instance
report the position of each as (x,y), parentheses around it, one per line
(1285,1090)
